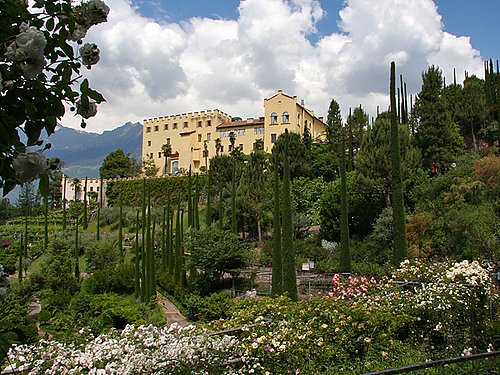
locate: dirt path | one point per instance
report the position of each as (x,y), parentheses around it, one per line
(171,311)
(34,310)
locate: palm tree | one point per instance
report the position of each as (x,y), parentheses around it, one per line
(205,154)
(218,146)
(166,149)
(232,139)
(76,185)
(259,145)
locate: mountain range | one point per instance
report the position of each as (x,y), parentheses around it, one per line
(83,152)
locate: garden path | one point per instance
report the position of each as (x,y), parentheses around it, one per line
(171,311)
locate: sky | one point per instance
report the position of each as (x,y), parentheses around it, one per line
(162,57)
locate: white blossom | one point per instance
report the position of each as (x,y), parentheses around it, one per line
(87,111)
(97,11)
(79,32)
(89,53)
(29,165)
(28,50)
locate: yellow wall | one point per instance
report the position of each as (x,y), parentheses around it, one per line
(192,129)
(186,133)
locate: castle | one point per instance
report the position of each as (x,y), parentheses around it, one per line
(195,137)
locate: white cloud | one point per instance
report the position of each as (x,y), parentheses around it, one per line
(150,68)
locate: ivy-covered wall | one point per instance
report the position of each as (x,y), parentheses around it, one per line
(131,190)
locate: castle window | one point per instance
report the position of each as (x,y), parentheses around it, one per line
(165,127)
(168,141)
(273,138)
(151,155)
(185,124)
(159,155)
(148,129)
(209,122)
(241,146)
(156,128)
(149,143)
(259,130)
(174,126)
(199,124)
(274,118)
(286,118)
(209,135)
(199,137)
(91,188)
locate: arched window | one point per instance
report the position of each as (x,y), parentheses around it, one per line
(286,118)
(175,166)
(274,118)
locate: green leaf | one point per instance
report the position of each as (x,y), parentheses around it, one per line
(50,24)
(84,86)
(43,185)
(97,96)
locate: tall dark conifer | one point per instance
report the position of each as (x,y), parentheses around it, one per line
(64,204)
(85,224)
(277,260)
(208,218)
(137,271)
(345,252)
(289,273)
(398,212)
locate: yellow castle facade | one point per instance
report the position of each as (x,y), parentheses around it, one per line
(196,137)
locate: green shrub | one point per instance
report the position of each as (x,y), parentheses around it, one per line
(213,307)
(118,280)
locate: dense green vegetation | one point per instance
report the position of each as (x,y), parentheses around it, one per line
(334,205)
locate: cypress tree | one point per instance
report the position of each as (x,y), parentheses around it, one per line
(345,253)
(350,164)
(143,243)
(46,222)
(277,272)
(20,264)
(85,224)
(289,275)
(221,209)
(26,238)
(190,202)
(77,252)
(182,276)
(120,226)
(147,261)
(177,257)
(208,219)
(233,197)
(171,254)
(195,205)
(64,204)
(152,268)
(163,244)
(398,213)
(99,205)
(137,284)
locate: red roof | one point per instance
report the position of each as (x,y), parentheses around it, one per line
(240,123)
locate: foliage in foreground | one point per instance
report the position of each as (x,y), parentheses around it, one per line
(362,325)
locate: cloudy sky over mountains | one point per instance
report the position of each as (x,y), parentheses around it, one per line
(159,59)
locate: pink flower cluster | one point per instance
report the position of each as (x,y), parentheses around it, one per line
(354,287)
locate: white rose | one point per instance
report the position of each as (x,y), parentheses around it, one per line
(79,32)
(29,165)
(97,11)
(89,54)
(28,49)
(86,111)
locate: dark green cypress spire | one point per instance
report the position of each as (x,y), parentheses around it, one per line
(120,226)
(137,283)
(77,251)
(289,274)
(85,223)
(164,225)
(345,253)
(64,204)
(20,260)
(277,272)
(400,244)
(189,199)
(46,222)
(233,198)
(208,219)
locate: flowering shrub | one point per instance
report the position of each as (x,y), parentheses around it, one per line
(39,73)
(449,301)
(137,350)
(354,287)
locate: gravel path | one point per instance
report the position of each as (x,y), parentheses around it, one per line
(171,311)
